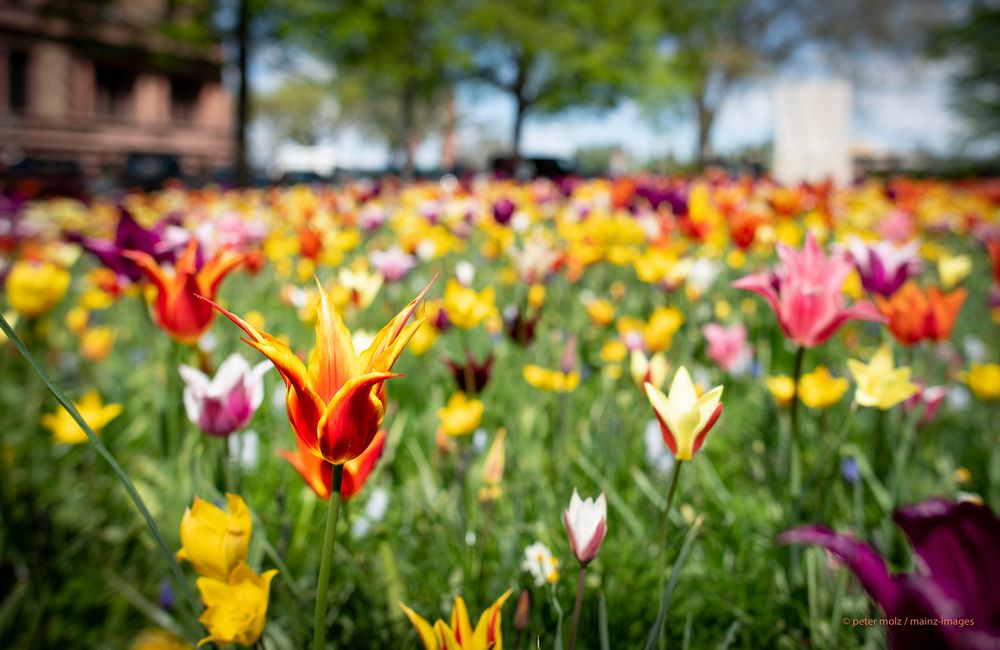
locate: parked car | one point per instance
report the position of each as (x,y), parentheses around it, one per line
(150,171)
(527,168)
(41,178)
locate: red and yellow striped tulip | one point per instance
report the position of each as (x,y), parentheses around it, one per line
(336,402)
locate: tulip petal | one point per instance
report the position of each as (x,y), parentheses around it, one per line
(216,269)
(487,633)
(333,359)
(424,629)
(382,353)
(352,418)
(859,557)
(955,542)
(357,470)
(460,623)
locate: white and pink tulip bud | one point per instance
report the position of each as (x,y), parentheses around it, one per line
(586,524)
(226,403)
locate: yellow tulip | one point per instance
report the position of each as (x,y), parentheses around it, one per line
(879,383)
(493,468)
(460,635)
(663,324)
(158,640)
(613,351)
(952,269)
(536,296)
(555,381)
(685,418)
(213,541)
(782,388)
(819,389)
(96,343)
(723,310)
(984,381)
(76,320)
(35,288)
(461,415)
(94,412)
(601,311)
(236,606)
(465,307)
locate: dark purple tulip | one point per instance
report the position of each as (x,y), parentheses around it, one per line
(129,236)
(441,322)
(520,328)
(478,373)
(956,583)
(883,266)
(503,210)
(657,197)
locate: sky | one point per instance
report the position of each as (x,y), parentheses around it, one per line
(898,109)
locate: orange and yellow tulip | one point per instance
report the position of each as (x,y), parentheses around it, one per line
(460,635)
(336,402)
(177,309)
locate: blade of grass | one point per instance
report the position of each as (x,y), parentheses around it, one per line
(137,600)
(675,575)
(133,494)
(602,623)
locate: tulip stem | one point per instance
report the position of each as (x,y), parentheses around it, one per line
(329,540)
(675,475)
(581,582)
(795,478)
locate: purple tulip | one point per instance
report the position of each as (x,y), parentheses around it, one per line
(657,196)
(884,267)
(503,210)
(130,236)
(519,326)
(393,264)
(952,600)
(225,403)
(478,373)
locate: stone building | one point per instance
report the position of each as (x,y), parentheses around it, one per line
(93,81)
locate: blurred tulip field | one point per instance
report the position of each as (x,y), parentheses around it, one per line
(466,414)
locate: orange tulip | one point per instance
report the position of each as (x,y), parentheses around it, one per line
(177,310)
(914,316)
(336,402)
(318,474)
(993,248)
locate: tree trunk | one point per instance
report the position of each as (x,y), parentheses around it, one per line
(243,94)
(706,120)
(449,135)
(522,108)
(521,105)
(407,127)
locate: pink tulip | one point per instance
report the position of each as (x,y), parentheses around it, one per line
(586,523)
(931,397)
(225,403)
(728,347)
(805,293)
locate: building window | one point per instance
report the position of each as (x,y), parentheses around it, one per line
(113,91)
(184,94)
(17,81)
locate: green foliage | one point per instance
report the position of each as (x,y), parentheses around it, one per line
(298,110)
(975,42)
